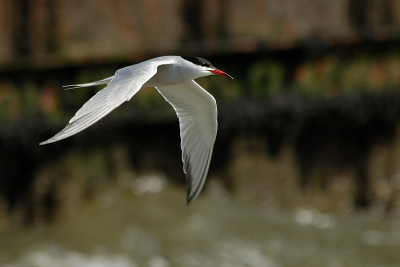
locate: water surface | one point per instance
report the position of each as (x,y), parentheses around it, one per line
(146,223)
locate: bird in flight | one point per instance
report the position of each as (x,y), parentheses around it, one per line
(173,77)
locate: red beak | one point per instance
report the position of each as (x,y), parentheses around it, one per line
(220,73)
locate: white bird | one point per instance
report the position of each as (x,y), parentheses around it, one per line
(173,77)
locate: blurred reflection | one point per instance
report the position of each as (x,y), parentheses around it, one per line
(150,184)
(107,198)
(122,228)
(313,217)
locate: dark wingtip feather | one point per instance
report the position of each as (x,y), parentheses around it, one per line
(192,194)
(190,198)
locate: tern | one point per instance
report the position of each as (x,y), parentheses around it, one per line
(173,77)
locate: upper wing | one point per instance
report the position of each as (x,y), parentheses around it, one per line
(125,84)
(197,113)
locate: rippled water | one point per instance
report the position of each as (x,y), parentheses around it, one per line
(146,223)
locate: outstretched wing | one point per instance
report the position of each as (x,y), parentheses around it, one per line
(125,84)
(197,113)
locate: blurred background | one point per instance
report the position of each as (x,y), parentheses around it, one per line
(306,165)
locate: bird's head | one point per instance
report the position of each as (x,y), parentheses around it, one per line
(205,67)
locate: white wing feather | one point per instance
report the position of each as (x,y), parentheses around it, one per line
(197,113)
(125,84)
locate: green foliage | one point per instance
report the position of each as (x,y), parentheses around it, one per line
(321,76)
(10,101)
(222,89)
(148,98)
(265,78)
(30,98)
(330,75)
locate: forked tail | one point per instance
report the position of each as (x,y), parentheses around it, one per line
(74,86)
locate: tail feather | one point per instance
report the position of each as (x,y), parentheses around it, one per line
(74,86)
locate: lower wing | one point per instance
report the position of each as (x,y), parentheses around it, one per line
(197,113)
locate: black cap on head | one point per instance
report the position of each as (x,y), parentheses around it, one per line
(199,61)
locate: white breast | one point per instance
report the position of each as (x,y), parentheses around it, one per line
(168,75)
